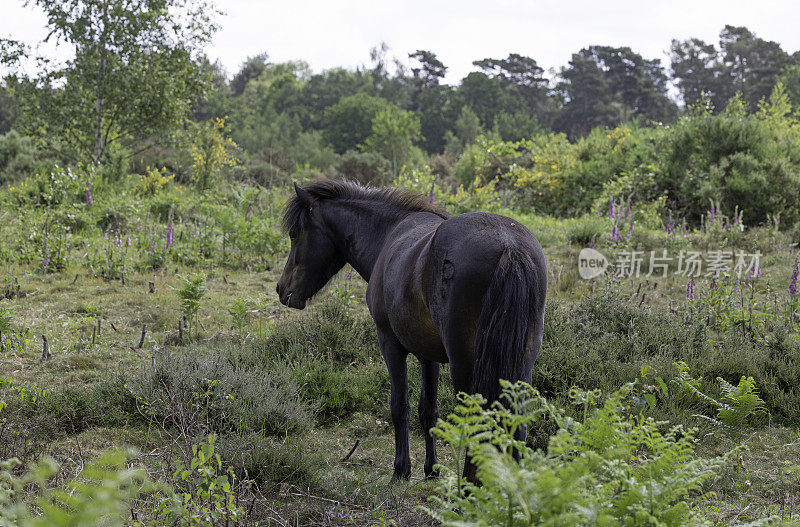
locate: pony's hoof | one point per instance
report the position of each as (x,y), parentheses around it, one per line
(400,476)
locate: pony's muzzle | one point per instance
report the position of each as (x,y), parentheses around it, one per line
(289,298)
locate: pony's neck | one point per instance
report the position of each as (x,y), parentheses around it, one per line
(360,229)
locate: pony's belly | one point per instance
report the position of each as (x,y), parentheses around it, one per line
(433,352)
(419,336)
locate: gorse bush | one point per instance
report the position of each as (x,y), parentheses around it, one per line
(211,153)
(153,181)
(734,157)
(616,467)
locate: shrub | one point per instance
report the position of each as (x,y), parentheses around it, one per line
(586,230)
(211,152)
(103,494)
(54,187)
(331,355)
(368,168)
(153,181)
(735,158)
(615,333)
(270,460)
(208,497)
(17,157)
(198,394)
(342,391)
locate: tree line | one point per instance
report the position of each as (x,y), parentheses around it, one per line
(137,84)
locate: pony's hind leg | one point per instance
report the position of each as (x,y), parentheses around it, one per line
(429,412)
(395,356)
(460,353)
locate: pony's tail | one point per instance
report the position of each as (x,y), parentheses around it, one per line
(510,311)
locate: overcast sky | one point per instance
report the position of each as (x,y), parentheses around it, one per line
(328,33)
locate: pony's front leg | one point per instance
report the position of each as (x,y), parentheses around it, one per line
(395,356)
(429,412)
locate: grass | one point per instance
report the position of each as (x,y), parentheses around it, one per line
(290,393)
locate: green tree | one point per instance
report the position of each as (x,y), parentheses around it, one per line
(437,114)
(516,126)
(349,121)
(397,87)
(214,102)
(465,131)
(589,98)
(251,69)
(752,63)
(486,97)
(522,76)
(743,63)
(697,69)
(604,86)
(8,109)
(393,133)
(790,79)
(267,117)
(133,75)
(325,89)
(429,71)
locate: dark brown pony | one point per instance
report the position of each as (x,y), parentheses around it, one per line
(467,289)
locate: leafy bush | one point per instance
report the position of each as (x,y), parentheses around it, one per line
(212,151)
(54,187)
(614,467)
(368,168)
(103,494)
(735,158)
(153,181)
(208,497)
(18,157)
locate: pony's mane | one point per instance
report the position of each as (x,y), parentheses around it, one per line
(296,211)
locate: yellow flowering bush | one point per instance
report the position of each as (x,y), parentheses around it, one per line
(19,193)
(212,152)
(416,180)
(153,181)
(552,158)
(482,197)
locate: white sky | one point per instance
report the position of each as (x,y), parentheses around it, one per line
(327,33)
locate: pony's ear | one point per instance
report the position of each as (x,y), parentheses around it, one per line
(304,195)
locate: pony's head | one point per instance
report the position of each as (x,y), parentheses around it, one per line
(313,258)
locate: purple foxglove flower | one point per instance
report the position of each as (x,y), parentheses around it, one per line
(169,237)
